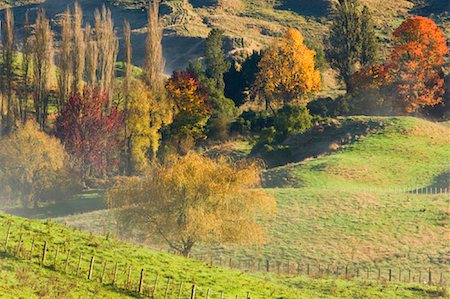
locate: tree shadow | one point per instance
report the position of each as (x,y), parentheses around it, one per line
(308,8)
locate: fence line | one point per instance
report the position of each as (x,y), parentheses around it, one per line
(98,271)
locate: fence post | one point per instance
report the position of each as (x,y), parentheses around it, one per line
(379,274)
(55,261)
(91,267)
(32,249)
(180,290)
(207,293)
(357,272)
(141,281)
(155,286)
(298,268)
(102,279)
(267,265)
(66,264)
(346,271)
(221,294)
(390,275)
(429,276)
(79,264)
(248,295)
(420,276)
(441,279)
(193,292)
(115,274)
(399,275)
(409,275)
(167,288)
(44,253)
(7,237)
(307,269)
(19,245)
(128,282)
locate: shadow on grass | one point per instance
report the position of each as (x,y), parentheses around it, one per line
(87,201)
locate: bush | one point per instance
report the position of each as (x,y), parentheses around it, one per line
(328,107)
(292,120)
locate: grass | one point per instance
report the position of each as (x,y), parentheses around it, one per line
(26,279)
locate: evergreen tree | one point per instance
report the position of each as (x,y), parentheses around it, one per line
(352,39)
(216,61)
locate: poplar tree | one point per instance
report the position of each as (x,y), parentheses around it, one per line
(65,64)
(42,66)
(79,48)
(91,57)
(26,68)
(216,61)
(8,71)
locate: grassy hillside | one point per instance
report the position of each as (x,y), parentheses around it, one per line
(23,278)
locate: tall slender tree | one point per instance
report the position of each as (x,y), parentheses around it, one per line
(79,48)
(42,66)
(369,44)
(8,71)
(65,63)
(216,61)
(26,67)
(154,59)
(127,56)
(91,57)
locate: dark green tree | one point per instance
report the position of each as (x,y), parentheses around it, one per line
(216,61)
(352,40)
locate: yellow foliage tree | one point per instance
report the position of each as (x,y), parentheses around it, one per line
(30,162)
(143,123)
(287,72)
(194,199)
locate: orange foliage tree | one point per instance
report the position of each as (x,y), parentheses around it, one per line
(192,110)
(287,72)
(415,65)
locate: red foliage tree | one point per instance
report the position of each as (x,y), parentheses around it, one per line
(415,65)
(90,132)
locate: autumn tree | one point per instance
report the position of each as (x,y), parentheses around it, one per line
(25,68)
(195,199)
(78,49)
(8,69)
(65,65)
(30,162)
(415,64)
(107,50)
(287,72)
(42,66)
(90,132)
(91,57)
(192,109)
(154,59)
(127,57)
(352,39)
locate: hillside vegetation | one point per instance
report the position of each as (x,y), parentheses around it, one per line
(27,279)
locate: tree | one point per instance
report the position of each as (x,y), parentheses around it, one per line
(287,72)
(127,57)
(25,68)
(106,49)
(154,59)
(216,61)
(143,124)
(194,199)
(65,64)
(352,39)
(192,109)
(415,64)
(8,69)
(79,48)
(42,66)
(90,132)
(91,57)
(30,162)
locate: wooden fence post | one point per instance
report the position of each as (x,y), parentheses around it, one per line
(409,275)
(155,285)
(248,295)
(115,273)
(267,265)
(307,269)
(7,237)
(44,253)
(66,264)
(429,276)
(399,275)
(141,281)
(102,279)
(346,271)
(221,294)
(19,245)
(193,292)
(32,249)
(298,268)
(420,276)
(79,264)
(207,293)
(166,292)
(55,261)
(379,274)
(91,267)
(128,282)
(180,290)
(390,275)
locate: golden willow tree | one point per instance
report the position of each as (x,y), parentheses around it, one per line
(195,199)
(287,72)
(42,66)
(78,49)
